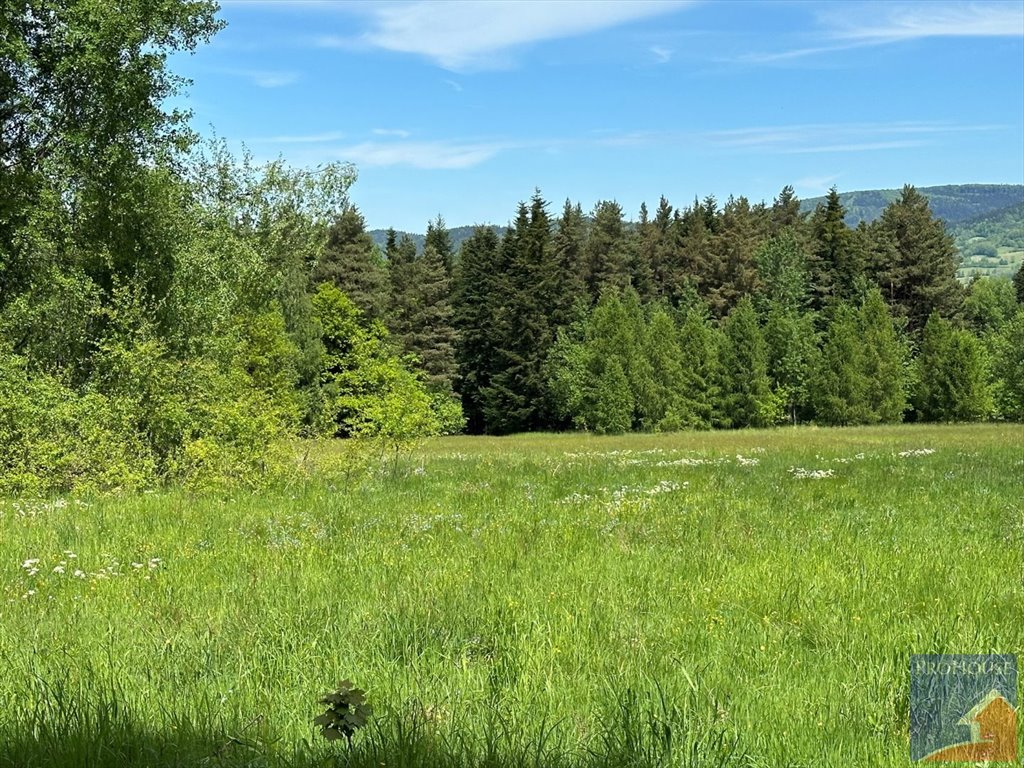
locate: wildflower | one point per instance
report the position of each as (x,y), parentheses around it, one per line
(30,563)
(58,569)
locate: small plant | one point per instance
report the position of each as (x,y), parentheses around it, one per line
(347,711)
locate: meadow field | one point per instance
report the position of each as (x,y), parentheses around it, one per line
(741,598)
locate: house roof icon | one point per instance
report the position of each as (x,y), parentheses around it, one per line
(993,724)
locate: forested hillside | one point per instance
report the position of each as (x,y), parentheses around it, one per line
(172,313)
(991,245)
(953,203)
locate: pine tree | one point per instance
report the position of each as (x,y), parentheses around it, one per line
(352,263)
(952,375)
(1018,284)
(921,278)
(785,212)
(748,398)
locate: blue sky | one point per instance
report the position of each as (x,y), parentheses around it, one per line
(464,108)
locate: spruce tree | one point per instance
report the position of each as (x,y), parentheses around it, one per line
(351,263)
(921,277)
(479,316)
(748,398)
(700,390)
(662,406)
(838,387)
(1018,284)
(607,253)
(422,321)
(952,375)
(440,240)
(565,278)
(735,273)
(516,396)
(884,358)
(836,261)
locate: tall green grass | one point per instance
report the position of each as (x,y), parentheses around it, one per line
(546,600)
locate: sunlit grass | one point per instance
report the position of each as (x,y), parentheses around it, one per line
(744,598)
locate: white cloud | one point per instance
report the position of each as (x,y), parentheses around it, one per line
(427,155)
(661,54)
(461,35)
(810,186)
(312,138)
(264,78)
(399,132)
(890,23)
(872,24)
(838,137)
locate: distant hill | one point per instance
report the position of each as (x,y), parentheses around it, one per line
(987,221)
(457,234)
(992,244)
(954,203)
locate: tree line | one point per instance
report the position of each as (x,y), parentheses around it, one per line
(712,315)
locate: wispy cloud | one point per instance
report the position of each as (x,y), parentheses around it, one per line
(814,185)
(838,137)
(312,138)
(460,35)
(455,86)
(264,78)
(399,132)
(662,54)
(425,155)
(873,24)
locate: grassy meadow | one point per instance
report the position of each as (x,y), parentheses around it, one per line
(698,599)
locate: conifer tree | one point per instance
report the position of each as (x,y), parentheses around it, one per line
(952,375)
(748,398)
(1018,284)
(352,263)
(422,320)
(921,276)
(607,251)
(836,261)
(700,390)
(567,266)
(440,240)
(838,386)
(516,396)
(479,318)
(884,358)
(662,405)
(785,212)
(735,274)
